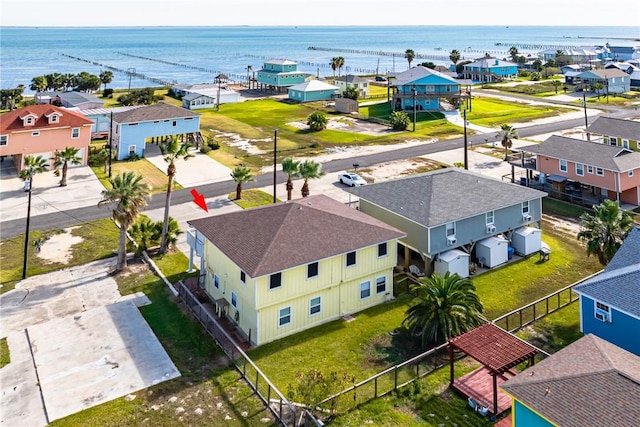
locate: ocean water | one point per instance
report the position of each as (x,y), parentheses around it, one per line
(198,54)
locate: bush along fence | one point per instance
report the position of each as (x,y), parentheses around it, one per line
(284,411)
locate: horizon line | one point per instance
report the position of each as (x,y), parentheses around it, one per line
(313,26)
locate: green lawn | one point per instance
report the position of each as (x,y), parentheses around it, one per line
(252,198)
(152,176)
(493,112)
(100,240)
(5,356)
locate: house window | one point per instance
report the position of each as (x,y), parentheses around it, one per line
(382,249)
(216,281)
(602,312)
(175,123)
(489,217)
(234,299)
(314,306)
(630,173)
(590,169)
(75,133)
(351,258)
(243,277)
(35,133)
(613,140)
(599,171)
(29,120)
(525,207)
(54,118)
(312,270)
(579,169)
(132,149)
(365,289)
(625,143)
(451,229)
(275,281)
(284,316)
(4,140)
(381,285)
(563,165)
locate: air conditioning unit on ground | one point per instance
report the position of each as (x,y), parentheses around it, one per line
(451,240)
(491,228)
(526,217)
(602,315)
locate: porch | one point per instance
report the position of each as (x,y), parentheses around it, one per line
(478,385)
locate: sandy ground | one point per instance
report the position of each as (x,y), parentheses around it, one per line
(57,248)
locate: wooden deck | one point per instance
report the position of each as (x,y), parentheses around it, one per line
(505,422)
(478,384)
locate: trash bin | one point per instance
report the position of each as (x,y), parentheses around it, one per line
(523,180)
(509,252)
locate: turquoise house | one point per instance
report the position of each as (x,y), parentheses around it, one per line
(590,382)
(610,301)
(132,128)
(313,90)
(429,86)
(279,73)
(490,69)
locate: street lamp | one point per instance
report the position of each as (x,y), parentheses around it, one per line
(413,91)
(275,151)
(130,71)
(466,156)
(110,142)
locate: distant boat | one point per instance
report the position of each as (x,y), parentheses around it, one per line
(438,48)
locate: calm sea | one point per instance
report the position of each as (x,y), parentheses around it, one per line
(198,54)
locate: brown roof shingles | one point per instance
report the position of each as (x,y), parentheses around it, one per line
(12,121)
(590,382)
(277,237)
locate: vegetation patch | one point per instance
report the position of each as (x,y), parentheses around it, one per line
(5,355)
(492,112)
(253,198)
(152,176)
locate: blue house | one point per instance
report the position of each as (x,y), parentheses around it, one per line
(610,301)
(279,73)
(425,87)
(132,128)
(612,81)
(590,382)
(489,70)
(313,90)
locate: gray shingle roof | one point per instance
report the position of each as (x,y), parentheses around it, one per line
(603,74)
(596,154)
(619,284)
(445,195)
(277,237)
(159,111)
(417,73)
(352,79)
(588,383)
(611,126)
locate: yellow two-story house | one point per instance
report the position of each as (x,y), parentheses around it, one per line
(280,269)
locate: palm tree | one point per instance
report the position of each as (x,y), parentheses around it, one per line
(63,158)
(340,64)
(240,175)
(454,56)
(39,84)
(409,55)
(605,230)
(507,134)
(309,170)
(128,193)
(444,307)
(513,52)
(334,64)
(598,87)
(32,167)
(70,81)
(172,150)
(556,84)
(290,167)
(106,77)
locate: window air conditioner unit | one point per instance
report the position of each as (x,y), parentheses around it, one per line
(602,315)
(451,240)
(491,228)
(526,217)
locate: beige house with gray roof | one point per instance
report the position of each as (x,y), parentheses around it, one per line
(613,131)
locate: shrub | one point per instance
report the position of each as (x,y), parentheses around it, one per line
(133,157)
(399,120)
(317,121)
(107,93)
(205,149)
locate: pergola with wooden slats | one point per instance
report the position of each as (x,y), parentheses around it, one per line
(496,349)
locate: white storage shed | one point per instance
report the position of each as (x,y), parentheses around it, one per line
(526,240)
(492,251)
(453,261)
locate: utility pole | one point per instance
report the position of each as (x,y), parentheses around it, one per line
(586,122)
(275,151)
(466,146)
(413,90)
(110,142)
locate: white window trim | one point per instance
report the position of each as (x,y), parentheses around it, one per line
(579,170)
(35,133)
(525,207)
(590,169)
(319,305)
(600,171)
(491,214)
(234,296)
(360,289)
(216,279)
(75,130)
(450,226)
(562,162)
(245,277)
(386,250)
(280,325)
(385,285)
(317,270)
(630,173)
(604,307)
(6,140)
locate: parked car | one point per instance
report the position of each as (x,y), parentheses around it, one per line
(351,179)
(380,79)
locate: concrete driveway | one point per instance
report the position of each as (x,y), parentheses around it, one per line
(74,343)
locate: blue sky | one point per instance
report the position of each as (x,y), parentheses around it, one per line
(318,12)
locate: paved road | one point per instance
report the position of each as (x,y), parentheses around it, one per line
(74,216)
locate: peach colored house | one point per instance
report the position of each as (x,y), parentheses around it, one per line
(40,130)
(611,172)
